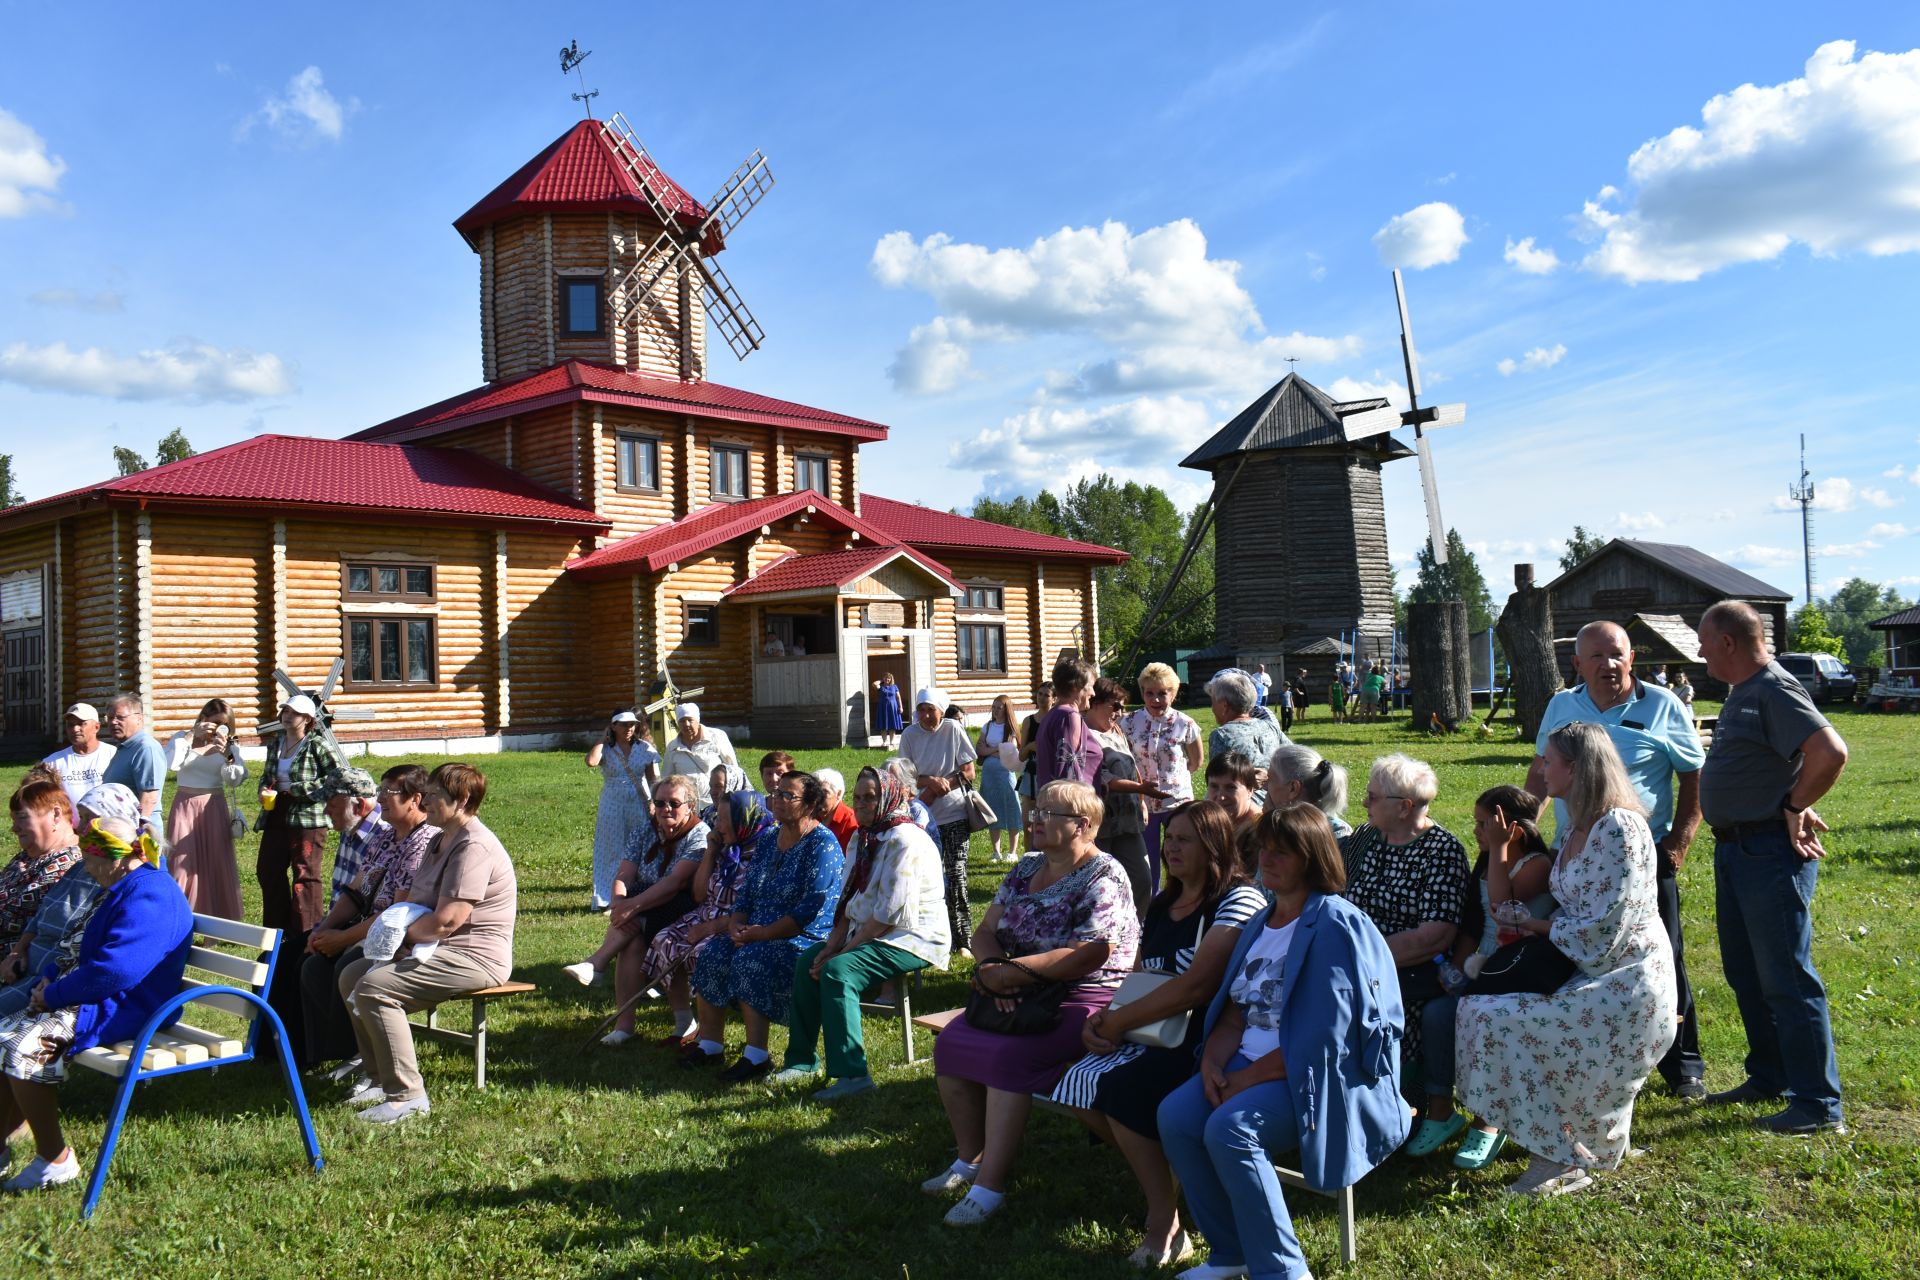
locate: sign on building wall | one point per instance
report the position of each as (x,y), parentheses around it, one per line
(20,598)
(887,615)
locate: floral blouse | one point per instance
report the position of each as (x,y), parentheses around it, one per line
(391,861)
(23,883)
(907,890)
(652,857)
(1091,903)
(1160,752)
(802,882)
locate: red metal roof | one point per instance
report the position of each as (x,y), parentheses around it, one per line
(339,476)
(579,172)
(927,527)
(830,570)
(573,380)
(699,532)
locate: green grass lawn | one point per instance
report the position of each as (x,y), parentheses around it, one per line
(609,1164)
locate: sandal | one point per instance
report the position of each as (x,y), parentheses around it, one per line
(1479,1149)
(1433,1134)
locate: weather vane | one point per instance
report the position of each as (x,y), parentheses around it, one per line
(570,60)
(1291,361)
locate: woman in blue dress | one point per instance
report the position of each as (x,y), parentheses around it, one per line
(996,780)
(888,718)
(629,766)
(784,905)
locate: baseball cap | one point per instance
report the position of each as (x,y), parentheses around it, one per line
(303,704)
(82,711)
(351,782)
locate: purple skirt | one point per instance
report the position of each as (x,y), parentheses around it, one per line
(1018,1064)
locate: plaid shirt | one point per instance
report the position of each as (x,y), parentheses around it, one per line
(23,883)
(351,856)
(304,797)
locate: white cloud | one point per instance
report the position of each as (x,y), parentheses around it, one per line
(1878,498)
(1849,550)
(1830,161)
(1762,556)
(1316,267)
(1061,444)
(1378,386)
(1641,523)
(1532,261)
(306,112)
(188,370)
(1422,237)
(28,174)
(1888,531)
(103,302)
(1837,493)
(935,357)
(1537,358)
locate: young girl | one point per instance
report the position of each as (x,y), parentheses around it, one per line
(1514,864)
(996,780)
(888,719)
(629,766)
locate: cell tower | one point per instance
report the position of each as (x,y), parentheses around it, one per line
(1802,493)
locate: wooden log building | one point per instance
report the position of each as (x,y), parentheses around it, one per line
(515,562)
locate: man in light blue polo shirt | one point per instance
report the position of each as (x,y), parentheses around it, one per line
(1653,732)
(140,763)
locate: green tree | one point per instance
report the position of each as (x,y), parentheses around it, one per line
(174,448)
(127,460)
(10,496)
(1809,634)
(1849,611)
(1579,546)
(1458,579)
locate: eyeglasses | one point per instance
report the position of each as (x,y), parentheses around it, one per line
(669,804)
(1371,797)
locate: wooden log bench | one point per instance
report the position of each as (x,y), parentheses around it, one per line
(477,1038)
(1342,1197)
(236,984)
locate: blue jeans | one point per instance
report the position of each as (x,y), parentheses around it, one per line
(1436,1044)
(1763,900)
(1222,1158)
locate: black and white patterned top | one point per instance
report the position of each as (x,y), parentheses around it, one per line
(1402,887)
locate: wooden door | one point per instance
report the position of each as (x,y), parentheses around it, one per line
(23,673)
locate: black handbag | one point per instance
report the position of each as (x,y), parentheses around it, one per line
(1035,1011)
(1528,966)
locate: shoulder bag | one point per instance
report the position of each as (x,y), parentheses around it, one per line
(1035,1011)
(1169,1032)
(980,814)
(237,821)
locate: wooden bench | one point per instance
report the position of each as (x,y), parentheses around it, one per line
(1342,1197)
(238,985)
(902,1009)
(477,1038)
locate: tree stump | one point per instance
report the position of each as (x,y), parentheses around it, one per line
(1442,664)
(1526,633)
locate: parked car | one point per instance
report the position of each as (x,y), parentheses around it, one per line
(1823,676)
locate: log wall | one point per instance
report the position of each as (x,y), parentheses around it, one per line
(634,511)
(549,640)
(491,440)
(101,573)
(210,619)
(726,668)
(1015,578)
(521,294)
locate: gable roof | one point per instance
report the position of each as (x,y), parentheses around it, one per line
(700,531)
(583,380)
(795,574)
(1293,414)
(1905,618)
(1670,630)
(1692,564)
(944,531)
(339,477)
(578,172)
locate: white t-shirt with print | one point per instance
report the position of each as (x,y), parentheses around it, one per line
(1256,989)
(80,774)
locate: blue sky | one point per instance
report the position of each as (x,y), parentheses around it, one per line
(1040,240)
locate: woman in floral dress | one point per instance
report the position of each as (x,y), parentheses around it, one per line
(1559,1072)
(629,766)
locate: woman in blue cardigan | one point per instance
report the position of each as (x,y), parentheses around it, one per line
(1301,1055)
(98,989)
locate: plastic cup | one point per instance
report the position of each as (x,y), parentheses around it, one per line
(1508,916)
(268,796)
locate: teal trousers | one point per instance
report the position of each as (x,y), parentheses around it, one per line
(830,1004)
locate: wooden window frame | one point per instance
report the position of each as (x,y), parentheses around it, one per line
(966,608)
(620,440)
(825,463)
(372,622)
(687,608)
(960,649)
(431,596)
(564,311)
(714,450)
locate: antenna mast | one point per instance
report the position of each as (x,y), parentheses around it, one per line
(1802,493)
(570,60)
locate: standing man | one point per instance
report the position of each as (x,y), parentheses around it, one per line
(1774,756)
(82,763)
(1262,685)
(139,762)
(1655,738)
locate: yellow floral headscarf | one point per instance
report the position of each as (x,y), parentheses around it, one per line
(102,843)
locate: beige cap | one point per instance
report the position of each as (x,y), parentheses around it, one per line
(82,711)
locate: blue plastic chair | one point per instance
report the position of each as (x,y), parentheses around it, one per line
(204,1050)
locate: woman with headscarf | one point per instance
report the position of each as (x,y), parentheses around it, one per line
(892,920)
(723,781)
(629,766)
(695,750)
(942,756)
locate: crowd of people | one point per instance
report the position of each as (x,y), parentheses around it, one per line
(1210,983)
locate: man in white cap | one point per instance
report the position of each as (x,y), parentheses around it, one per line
(82,763)
(696,751)
(140,763)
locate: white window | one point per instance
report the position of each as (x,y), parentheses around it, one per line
(729,471)
(810,472)
(639,462)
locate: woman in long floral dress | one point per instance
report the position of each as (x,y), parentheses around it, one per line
(1560,1072)
(629,766)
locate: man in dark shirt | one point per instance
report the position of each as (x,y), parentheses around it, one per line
(1773,756)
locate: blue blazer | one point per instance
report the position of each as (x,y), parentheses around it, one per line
(1340,1027)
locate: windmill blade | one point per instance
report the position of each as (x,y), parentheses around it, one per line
(742,332)
(1436,527)
(738,194)
(1445,415)
(356,713)
(286,682)
(640,166)
(640,286)
(1406,341)
(1370,422)
(333,678)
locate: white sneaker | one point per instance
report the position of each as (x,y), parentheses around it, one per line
(947,1180)
(583,973)
(40,1174)
(970,1213)
(392,1112)
(615,1038)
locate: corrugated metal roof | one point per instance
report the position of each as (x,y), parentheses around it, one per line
(928,527)
(605,384)
(1672,630)
(1690,563)
(1293,414)
(1905,618)
(578,171)
(832,570)
(700,531)
(293,471)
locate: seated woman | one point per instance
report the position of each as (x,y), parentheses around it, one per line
(652,888)
(1409,874)
(891,921)
(1242,725)
(1298,773)
(1064,914)
(462,941)
(1234,782)
(784,905)
(1192,926)
(723,781)
(127,963)
(43,824)
(1299,1056)
(1513,865)
(1560,1072)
